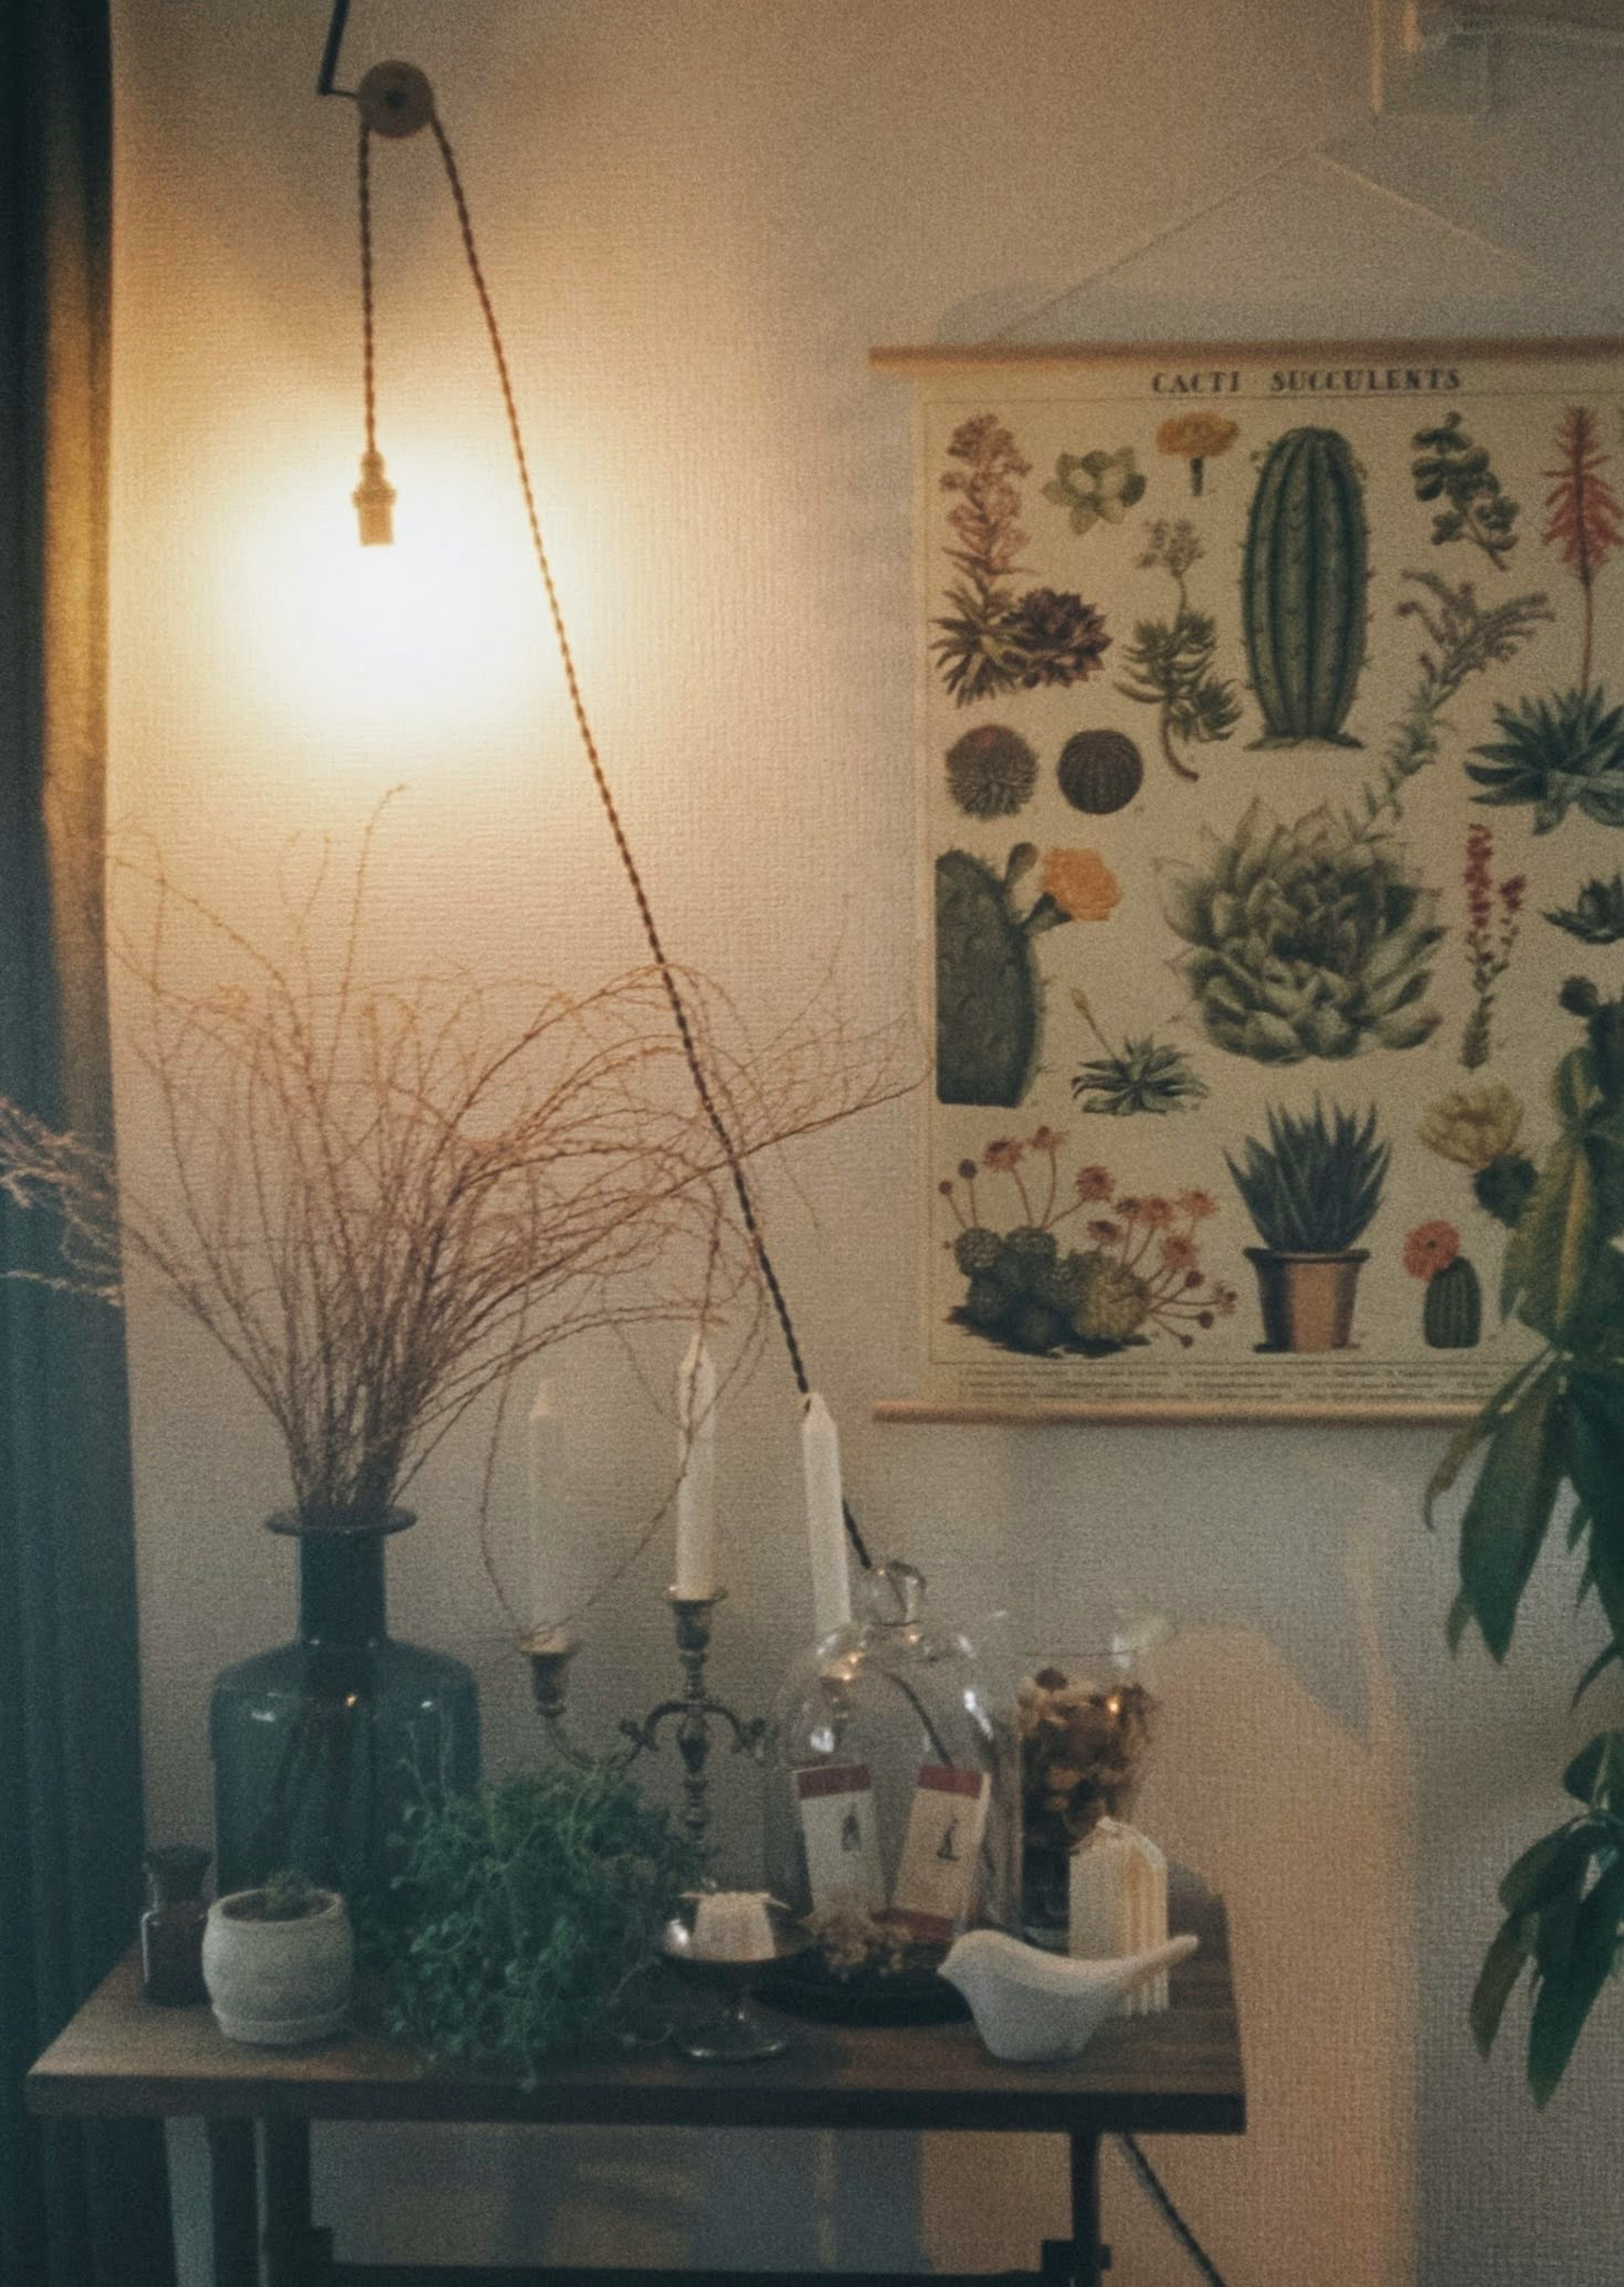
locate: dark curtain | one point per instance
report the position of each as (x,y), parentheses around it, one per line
(81,2205)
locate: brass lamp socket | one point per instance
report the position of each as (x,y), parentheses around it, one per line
(375,502)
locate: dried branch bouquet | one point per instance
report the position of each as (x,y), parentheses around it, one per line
(381,1197)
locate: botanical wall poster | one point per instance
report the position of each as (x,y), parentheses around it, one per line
(1273,726)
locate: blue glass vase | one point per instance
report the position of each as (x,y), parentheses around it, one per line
(321,1746)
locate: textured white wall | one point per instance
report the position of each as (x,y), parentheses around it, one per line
(697,215)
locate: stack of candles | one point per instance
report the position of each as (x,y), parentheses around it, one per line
(696,1578)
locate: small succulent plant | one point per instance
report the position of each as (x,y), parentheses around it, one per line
(1171,661)
(1096,488)
(990,771)
(1143,1075)
(287,1896)
(1312,939)
(1555,754)
(1596,915)
(1448,467)
(1313,1188)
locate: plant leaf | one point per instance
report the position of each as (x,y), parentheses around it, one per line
(1550,1252)
(1596,1776)
(1556,1863)
(1570,1982)
(1502,1965)
(1603,1660)
(1509,1511)
(1596,1460)
(1473,1433)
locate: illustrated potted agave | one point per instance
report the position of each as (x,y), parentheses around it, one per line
(1311,1191)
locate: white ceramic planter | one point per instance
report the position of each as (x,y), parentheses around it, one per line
(278,1983)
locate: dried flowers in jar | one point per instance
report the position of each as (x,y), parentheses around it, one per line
(1082,1746)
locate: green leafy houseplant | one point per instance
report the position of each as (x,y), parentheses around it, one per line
(1555,1429)
(527,1915)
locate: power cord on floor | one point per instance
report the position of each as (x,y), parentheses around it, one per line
(1156,2192)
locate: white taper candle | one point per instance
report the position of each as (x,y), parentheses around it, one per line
(826,1527)
(696,1487)
(541,1457)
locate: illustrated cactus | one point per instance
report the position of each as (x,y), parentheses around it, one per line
(1100,771)
(1304,575)
(987,1000)
(988,997)
(1452,1315)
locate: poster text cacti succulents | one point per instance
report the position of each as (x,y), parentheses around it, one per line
(1271,709)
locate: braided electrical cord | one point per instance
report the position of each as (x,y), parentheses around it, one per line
(606,795)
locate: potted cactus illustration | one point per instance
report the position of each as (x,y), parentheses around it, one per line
(988,997)
(1303,580)
(1451,1316)
(1311,1191)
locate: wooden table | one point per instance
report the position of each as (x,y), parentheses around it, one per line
(1180,2073)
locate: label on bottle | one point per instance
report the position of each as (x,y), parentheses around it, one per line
(936,1879)
(843,1843)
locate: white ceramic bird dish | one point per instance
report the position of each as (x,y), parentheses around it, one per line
(1037,2008)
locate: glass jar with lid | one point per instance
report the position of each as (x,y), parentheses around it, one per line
(894,1803)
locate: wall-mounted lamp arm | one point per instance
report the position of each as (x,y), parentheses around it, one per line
(330,53)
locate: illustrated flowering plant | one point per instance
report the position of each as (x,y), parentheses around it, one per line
(1493,911)
(1138,1273)
(994,637)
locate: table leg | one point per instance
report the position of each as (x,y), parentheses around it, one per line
(297,2254)
(1087,2257)
(234,2196)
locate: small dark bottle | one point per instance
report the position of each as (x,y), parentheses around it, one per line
(172,1927)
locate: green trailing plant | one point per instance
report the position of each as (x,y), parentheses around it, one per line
(1316,938)
(527,1916)
(988,998)
(1450,468)
(1596,915)
(994,638)
(1550,1440)
(1142,1075)
(1171,661)
(1304,575)
(1313,1188)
